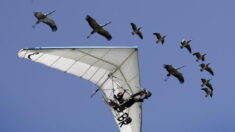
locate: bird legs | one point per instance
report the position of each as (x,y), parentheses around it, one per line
(180,67)
(90,34)
(106,24)
(49,13)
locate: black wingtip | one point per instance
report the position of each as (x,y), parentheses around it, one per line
(109,38)
(181,81)
(54,28)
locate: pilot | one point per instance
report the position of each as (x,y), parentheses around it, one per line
(126,103)
(119,96)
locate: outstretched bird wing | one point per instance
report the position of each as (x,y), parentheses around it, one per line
(92,22)
(203,80)
(203,57)
(210,86)
(202,65)
(179,76)
(51,23)
(189,48)
(207,91)
(158,35)
(210,71)
(104,33)
(163,41)
(133,26)
(197,54)
(140,34)
(183,42)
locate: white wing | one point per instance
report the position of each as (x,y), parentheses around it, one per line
(95,64)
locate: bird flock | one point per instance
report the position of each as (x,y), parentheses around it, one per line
(97,28)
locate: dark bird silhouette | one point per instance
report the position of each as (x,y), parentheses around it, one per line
(208,92)
(207,68)
(207,83)
(44,18)
(199,56)
(186,44)
(136,30)
(97,28)
(174,71)
(160,38)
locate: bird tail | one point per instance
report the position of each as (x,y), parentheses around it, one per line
(181,47)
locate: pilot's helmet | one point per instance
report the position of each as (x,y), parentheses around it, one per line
(120,94)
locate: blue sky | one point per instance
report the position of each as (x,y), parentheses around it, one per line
(35,98)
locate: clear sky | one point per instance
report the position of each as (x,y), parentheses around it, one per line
(35,98)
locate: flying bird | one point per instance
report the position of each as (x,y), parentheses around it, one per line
(207,83)
(199,56)
(208,92)
(160,38)
(136,30)
(44,18)
(207,68)
(186,44)
(97,28)
(174,71)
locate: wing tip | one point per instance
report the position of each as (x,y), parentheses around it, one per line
(88,17)
(21,53)
(54,28)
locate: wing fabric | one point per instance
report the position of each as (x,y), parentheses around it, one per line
(95,64)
